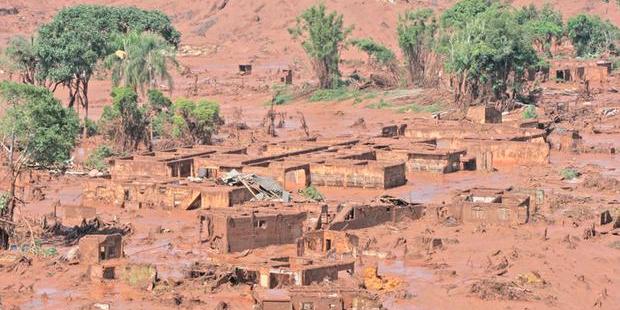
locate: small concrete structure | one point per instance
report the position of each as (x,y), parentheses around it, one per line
(95,249)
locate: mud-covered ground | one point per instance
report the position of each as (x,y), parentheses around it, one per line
(551,262)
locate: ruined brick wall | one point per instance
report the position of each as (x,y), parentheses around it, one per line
(224,197)
(317,301)
(507,152)
(316,274)
(358,216)
(358,175)
(254,232)
(123,169)
(495,213)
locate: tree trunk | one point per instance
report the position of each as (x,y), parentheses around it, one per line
(85,103)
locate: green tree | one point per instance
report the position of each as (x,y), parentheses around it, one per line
(592,36)
(416,38)
(141,61)
(377,53)
(195,121)
(322,36)
(488,56)
(70,46)
(124,122)
(22,58)
(464,11)
(544,27)
(35,130)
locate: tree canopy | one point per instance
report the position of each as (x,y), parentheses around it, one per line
(41,130)
(592,36)
(141,60)
(323,35)
(489,54)
(416,38)
(70,46)
(543,26)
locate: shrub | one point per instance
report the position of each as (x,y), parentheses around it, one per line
(337,94)
(592,36)
(311,193)
(569,173)
(97,158)
(375,51)
(529,112)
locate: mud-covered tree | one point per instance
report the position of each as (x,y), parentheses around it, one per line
(544,26)
(322,36)
(416,38)
(141,61)
(195,121)
(35,130)
(488,56)
(21,58)
(71,45)
(124,123)
(592,36)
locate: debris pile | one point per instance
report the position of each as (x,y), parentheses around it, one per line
(262,188)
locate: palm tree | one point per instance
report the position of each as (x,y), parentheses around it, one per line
(141,61)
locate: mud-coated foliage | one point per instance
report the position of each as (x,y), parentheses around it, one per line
(322,36)
(416,38)
(39,128)
(592,36)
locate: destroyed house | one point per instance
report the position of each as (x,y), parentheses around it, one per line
(239,229)
(168,194)
(287,271)
(424,157)
(489,206)
(329,297)
(321,242)
(172,163)
(358,215)
(595,71)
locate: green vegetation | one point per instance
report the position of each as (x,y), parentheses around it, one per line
(592,36)
(124,122)
(337,94)
(71,45)
(416,108)
(569,173)
(376,52)
(416,38)
(97,159)
(488,55)
(22,58)
(195,121)
(4,200)
(381,104)
(322,35)
(282,94)
(141,61)
(311,193)
(543,27)
(35,130)
(464,11)
(529,112)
